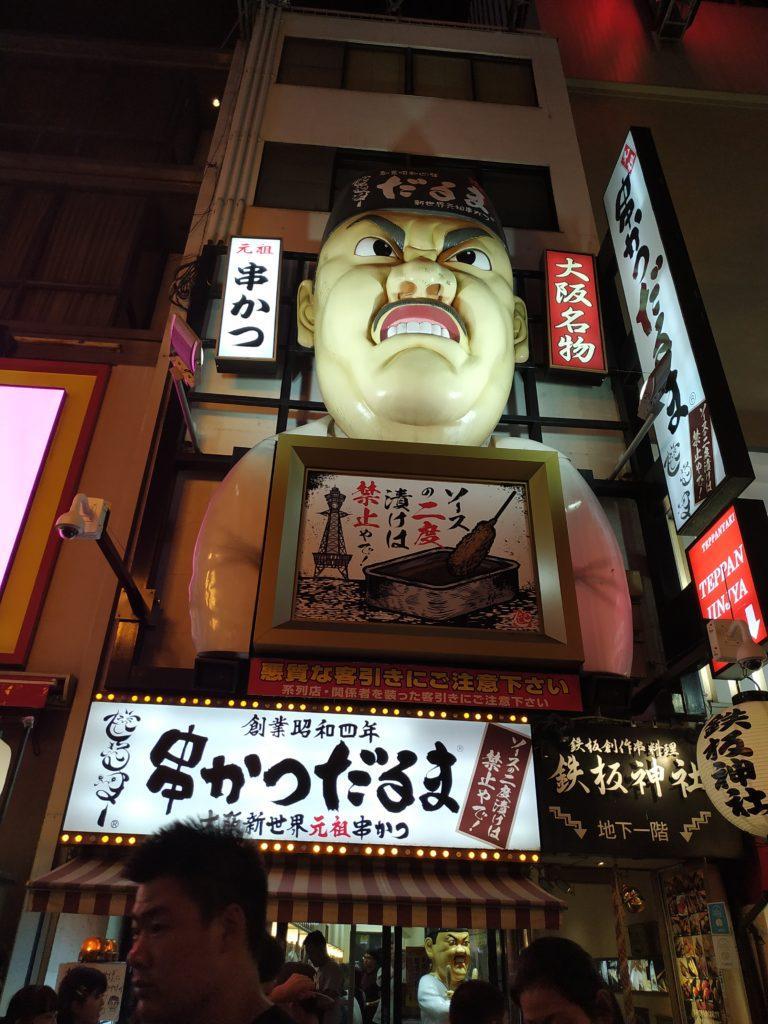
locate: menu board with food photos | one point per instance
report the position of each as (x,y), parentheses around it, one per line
(695,960)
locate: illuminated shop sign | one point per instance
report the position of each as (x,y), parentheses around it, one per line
(306,776)
(721,562)
(48,412)
(248,334)
(700,442)
(626,792)
(573,315)
(28,415)
(433,685)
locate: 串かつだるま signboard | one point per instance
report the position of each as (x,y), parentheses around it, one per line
(306,776)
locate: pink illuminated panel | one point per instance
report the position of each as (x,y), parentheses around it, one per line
(28,418)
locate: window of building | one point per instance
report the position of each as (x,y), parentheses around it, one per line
(332,64)
(317,62)
(437,74)
(309,178)
(295,177)
(374,69)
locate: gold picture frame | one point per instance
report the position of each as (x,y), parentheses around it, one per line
(372,616)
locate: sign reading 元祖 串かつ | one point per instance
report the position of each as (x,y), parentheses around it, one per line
(248,333)
(306,777)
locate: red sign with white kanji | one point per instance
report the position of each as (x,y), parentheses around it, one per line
(575,336)
(722,575)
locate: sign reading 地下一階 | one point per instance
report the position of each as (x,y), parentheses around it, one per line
(700,442)
(248,333)
(626,792)
(306,776)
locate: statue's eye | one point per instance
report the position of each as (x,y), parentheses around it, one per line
(472,258)
(373,247)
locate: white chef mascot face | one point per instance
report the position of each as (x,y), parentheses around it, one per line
(412,314)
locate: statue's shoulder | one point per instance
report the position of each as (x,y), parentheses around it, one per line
(522,442)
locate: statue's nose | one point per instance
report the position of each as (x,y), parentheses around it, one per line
(421,279)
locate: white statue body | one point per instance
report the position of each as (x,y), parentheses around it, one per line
(416,331)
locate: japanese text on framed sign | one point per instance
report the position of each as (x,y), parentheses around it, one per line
(626,792)
(414,684)
(720,561)
(700,443)
(306,776)
(573,315)
(250,303)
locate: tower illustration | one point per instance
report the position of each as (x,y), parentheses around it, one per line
(332,553)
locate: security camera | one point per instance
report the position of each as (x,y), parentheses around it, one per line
(85,520)
(731,641)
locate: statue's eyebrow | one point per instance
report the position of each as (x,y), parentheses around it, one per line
(460,235)
(392,231)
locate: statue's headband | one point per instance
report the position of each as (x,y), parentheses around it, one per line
(441,193)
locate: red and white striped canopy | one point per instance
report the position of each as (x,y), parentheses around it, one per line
(343,891)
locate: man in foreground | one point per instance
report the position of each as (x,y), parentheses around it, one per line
(198,925)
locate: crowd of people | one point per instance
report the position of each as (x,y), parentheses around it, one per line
(201,954)
(79,1001)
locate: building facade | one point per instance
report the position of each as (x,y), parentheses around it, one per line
(538,116)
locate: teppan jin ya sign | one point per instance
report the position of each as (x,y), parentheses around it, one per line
(702,449)
(306,777)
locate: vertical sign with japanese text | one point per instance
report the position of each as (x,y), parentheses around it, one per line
(573,315)
(701,446)
(720,561)
(250,304)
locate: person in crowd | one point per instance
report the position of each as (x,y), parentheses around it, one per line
(33,1004)
(81,996)
(295,992)
(329,976)
(358,1005)
(557,982)
(198,926)
(371,981)
(477,1002)
(271,961)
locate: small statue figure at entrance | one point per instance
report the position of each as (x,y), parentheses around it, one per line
(449,956)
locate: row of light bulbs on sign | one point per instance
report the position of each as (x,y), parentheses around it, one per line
(380,851)
(281,705)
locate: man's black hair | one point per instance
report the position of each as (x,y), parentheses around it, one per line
(477,1002)
(563,966)
(271,958)
(215,866)
(315,937)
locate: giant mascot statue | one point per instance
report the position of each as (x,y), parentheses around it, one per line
(416,330)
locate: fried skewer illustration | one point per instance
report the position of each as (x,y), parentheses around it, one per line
(472,549)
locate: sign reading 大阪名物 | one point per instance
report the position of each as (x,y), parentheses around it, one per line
(306,776)
(701,446)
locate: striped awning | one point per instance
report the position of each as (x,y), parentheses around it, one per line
(336,891)
(83,885)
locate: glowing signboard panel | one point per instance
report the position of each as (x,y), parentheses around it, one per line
(701,446)
(49,414)
(575,336)
(307,776)
(248,334)
(28,417)
(722,571)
